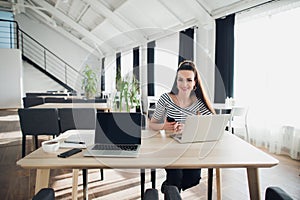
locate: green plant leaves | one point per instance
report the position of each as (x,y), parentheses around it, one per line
(89,82)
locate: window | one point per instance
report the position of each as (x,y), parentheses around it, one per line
(267,77)
(7,31)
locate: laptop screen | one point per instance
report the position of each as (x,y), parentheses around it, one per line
(118,128)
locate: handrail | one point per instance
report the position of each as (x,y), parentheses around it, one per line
(39,54)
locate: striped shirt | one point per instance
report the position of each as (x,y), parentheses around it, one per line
(166,107)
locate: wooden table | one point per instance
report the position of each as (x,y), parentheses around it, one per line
(160,151)
(99,106)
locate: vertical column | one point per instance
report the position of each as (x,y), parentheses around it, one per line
(150,68)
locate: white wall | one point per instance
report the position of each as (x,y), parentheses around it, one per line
(63,47)
(205,55)
(166,63)
(126,63)
(72,53)
(110,73)
(36,81)
(11,78)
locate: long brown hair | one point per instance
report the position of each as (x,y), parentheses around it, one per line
(199,90)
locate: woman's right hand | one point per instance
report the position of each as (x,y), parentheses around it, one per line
(170,126)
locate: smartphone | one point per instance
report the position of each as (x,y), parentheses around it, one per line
(69,153)
(170,119)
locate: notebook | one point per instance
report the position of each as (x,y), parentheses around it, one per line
(116,135)
(202,128)
(77,138)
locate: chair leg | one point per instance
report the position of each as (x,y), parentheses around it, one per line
(142,176)
(209,183)
(23,146)
(247,134)
(153,178)
(85,183)
(101,175)
(36,141)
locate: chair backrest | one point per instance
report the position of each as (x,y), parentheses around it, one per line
(77,118)
(276,193)
(151,102)
(79,100)
(32,101)
(39,121)
(55,100)
(238,112)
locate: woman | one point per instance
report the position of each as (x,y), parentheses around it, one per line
(186,98)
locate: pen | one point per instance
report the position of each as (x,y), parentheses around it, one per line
(74,142)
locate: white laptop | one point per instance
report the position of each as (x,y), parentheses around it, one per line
(116,135)
(202,128)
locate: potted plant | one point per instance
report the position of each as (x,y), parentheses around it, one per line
(128,93)
(89,82)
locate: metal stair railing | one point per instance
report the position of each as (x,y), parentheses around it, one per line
(11,36)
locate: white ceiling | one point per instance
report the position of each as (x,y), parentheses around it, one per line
(112,25)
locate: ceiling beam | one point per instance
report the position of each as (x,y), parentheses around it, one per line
(82,12)
(98,42)
(173,30)
(236,7)
(170,11)
(20,7)
(116,20)
(64,32)
(200,12)
(204,6)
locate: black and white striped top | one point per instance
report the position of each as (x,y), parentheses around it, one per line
(166,107)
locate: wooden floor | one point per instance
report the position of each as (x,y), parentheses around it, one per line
(17,183)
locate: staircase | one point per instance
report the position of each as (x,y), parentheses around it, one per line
(11,36)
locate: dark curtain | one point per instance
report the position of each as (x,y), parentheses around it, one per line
(186,45)
(224,58)
(150,68)
(102,75)
(118,67)
(136,63)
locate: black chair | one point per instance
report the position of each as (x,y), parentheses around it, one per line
(55,100)
(79,118)
(38,121)
(76,100)
(99,100)
(172,193)
(32,101)
(276,193)
(45,194)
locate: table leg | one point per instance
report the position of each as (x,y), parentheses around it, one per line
(210,183)
(142,174)
(218,183)
(253,183)
(75,183)
(42,179)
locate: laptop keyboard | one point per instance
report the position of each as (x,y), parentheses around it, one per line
(116,147)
